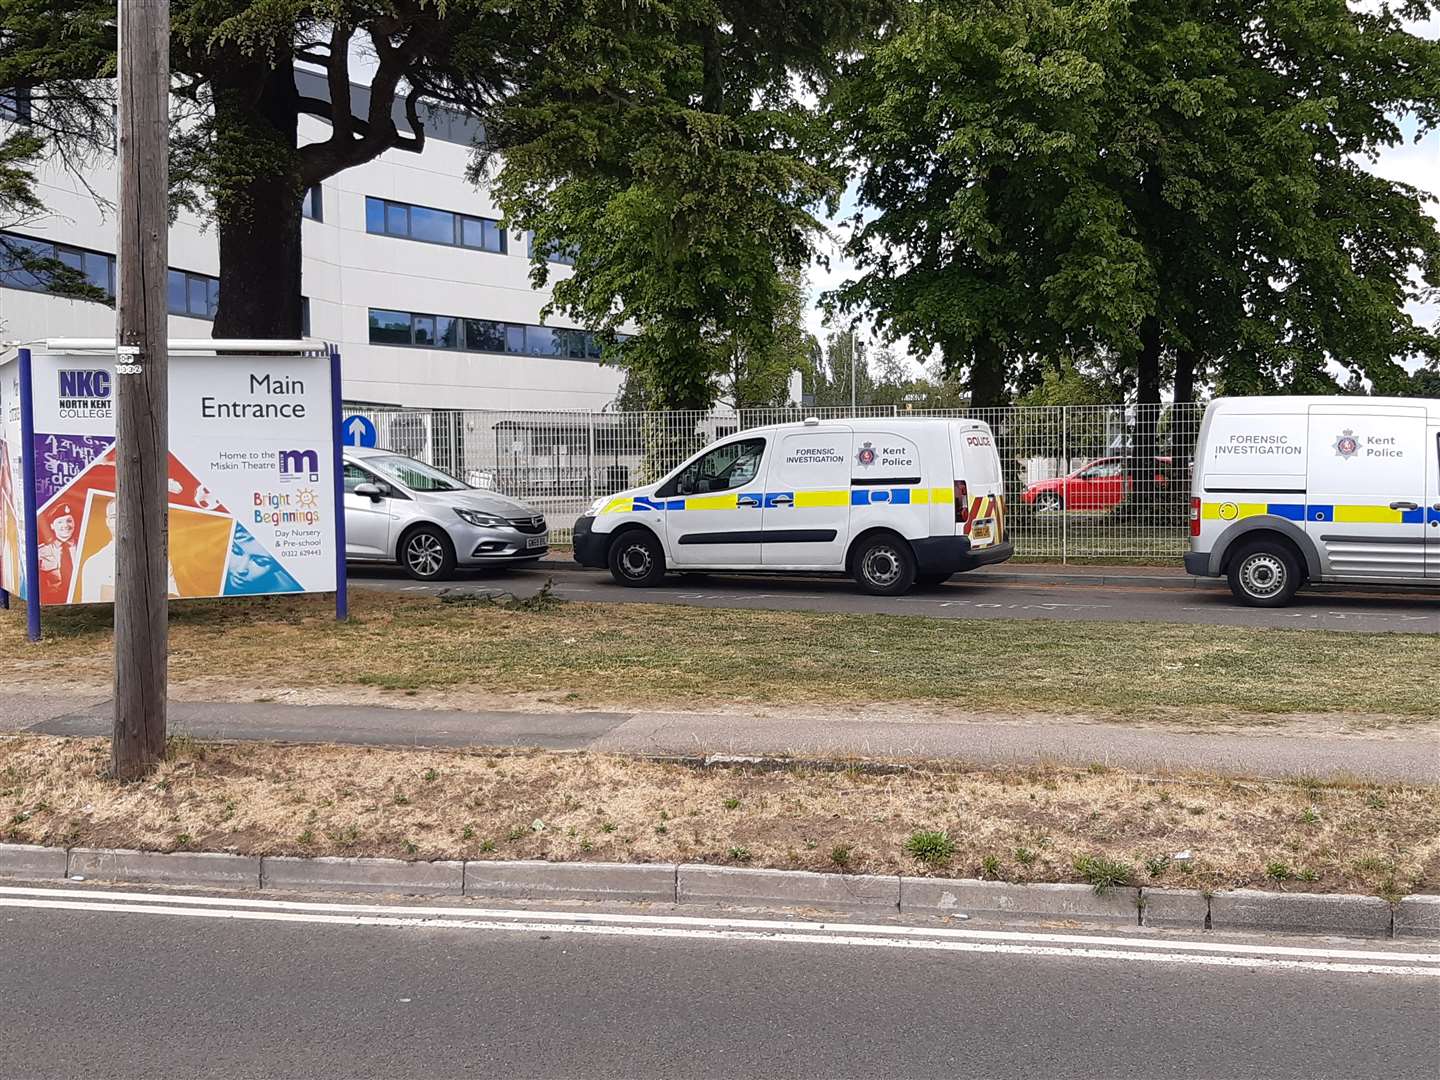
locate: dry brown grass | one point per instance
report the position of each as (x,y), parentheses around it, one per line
(433,804)
(635,655)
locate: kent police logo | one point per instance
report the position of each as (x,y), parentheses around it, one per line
(1347,445)
(866,455)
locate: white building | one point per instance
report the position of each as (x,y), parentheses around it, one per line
(405,269)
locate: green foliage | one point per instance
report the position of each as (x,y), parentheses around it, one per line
(671,147)
(934,847)
(1102,873)
(17,183)
(1174,185)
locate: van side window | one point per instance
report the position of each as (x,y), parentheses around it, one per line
(722,469)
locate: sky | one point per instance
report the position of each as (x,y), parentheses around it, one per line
(1415,163)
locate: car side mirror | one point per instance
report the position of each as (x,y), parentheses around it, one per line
(370,491)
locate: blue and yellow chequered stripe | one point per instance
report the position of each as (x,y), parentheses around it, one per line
(1341,513)
(801,499)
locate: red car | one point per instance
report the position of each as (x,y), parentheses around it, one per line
(1098,485)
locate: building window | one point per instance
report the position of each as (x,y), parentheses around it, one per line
(555,253)
(304,316)
(386,218)
(15,105)
(389,327)
(312,205)
(193,295)
(482,335)
(23,259)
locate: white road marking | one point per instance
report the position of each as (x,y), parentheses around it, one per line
(1225,954)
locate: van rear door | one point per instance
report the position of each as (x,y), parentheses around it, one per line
(977,464)
(1432,498)
(1366,478)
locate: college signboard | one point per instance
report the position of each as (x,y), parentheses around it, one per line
(255,501)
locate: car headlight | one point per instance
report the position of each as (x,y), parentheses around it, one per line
(598,505)
(475,517)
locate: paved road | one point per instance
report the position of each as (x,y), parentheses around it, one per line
(1414,757)
(968,596)
(227,992)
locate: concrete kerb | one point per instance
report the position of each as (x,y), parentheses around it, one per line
(1184,909)
(1322,913)
(31,862)
(1417,916)
(165,868)
(701,884)
(363,875)
(1001,899)
(532,880)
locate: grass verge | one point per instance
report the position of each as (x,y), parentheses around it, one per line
(639,655)
(1095,825)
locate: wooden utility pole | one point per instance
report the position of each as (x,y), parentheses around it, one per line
(142,415)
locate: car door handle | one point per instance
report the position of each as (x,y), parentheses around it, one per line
(782,500)
(748,502)
(1404,506)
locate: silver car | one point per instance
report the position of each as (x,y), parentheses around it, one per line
(401,510)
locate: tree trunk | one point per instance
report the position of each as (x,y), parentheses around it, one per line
(258,209)
(1186,361)
(1144,492)
(987,375)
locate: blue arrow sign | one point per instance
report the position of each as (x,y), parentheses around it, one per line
(357,431)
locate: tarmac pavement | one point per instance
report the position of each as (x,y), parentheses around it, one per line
(1395,756)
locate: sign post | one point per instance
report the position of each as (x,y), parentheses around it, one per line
(342,585)
(27,481)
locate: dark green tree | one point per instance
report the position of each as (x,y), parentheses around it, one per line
(35,263)
(670,147)
(235,143)
(1173,183)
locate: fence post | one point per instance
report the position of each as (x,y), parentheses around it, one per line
(590,457)
(1064,471)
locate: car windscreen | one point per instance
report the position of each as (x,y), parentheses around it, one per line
(415,475)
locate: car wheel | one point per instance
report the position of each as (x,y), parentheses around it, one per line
(885,566)
(1049,502)
(637,559)
(1264,574)
(427,554)
(932,579)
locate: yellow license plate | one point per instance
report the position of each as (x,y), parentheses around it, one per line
(980,531)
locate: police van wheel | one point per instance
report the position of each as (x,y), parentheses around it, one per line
(885,566)
(636,559)
(1264,574)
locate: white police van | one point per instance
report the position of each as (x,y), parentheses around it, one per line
(891,502)
(1290,490)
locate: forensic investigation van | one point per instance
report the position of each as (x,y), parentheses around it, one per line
(890,502)
(1292,490)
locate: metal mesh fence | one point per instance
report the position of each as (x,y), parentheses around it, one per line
(1083,483)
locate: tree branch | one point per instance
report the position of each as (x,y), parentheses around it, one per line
(342,118)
